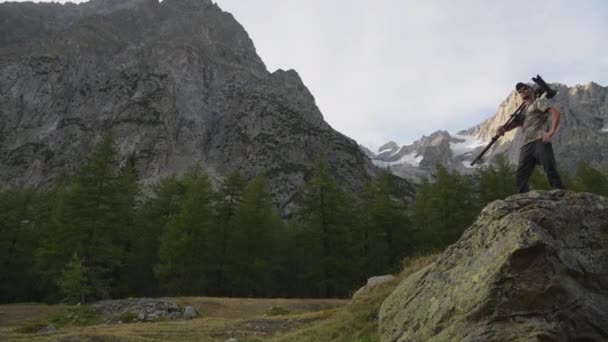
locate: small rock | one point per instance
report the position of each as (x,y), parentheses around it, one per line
(232,339)
(141,317)
(375,281)
(189,312)
(174,315)
(48,329)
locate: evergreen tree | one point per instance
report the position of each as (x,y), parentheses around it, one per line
(538,180)
(88,220)
(444,209)
(385,227)
(589,179)
(18,223)
(326,220)
(496,181)
(50,257)
(128,203)
(257,227)
(183,255)
(93,216)
(567,179)
(368,238)
(73,283)
(159,207)
(229,198)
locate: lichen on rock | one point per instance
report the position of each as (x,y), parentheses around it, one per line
(533,266)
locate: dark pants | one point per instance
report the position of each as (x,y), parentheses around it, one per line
(534,153)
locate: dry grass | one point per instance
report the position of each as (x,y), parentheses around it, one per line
(247,319)
(220,319)
(357,321)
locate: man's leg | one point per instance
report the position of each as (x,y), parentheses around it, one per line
(547,158)
(525,167)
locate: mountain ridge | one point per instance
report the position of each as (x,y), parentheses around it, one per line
(179,82)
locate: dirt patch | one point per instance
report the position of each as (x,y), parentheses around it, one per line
(244,308)
(265,327)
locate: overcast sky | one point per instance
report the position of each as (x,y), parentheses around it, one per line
(397,69)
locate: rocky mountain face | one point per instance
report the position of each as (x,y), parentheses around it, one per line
(531,268)
(178,81)
(583,135)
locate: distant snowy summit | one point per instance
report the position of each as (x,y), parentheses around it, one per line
(583,135)
(418,159)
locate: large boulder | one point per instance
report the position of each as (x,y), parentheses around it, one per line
(533,267)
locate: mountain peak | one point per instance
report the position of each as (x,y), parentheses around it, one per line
(109,6)
(188,4)
(389,146)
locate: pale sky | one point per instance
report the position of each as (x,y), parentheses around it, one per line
(399,69)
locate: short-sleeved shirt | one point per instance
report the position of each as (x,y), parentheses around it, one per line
(537,120)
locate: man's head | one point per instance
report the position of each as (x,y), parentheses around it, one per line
(525,91)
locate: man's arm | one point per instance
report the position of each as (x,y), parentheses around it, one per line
(555,115)
(500,131)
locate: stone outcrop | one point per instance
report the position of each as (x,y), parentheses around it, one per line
(533,267)
(178,81)
(141,309)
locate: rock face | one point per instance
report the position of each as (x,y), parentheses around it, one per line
(178,81)
(533,267)
(583,135)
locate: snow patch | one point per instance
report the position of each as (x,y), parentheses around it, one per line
(410,159)
(605,129)
(397,151)
(385,150)
(469,144)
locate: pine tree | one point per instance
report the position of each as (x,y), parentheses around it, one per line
(495,181)
(72,283)
(87,220)
(385,227)
(567,179)
(18,230)
(444,209)
(50,256)
(589,179)
(229,198)
(538,180)
(257,227)
(368,238)
(93,216)
(128,203)
(326,220)
(158,208)
(183,255)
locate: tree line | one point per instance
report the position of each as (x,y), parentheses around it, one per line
(97,233)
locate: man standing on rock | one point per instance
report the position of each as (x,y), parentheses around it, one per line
(537,134)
